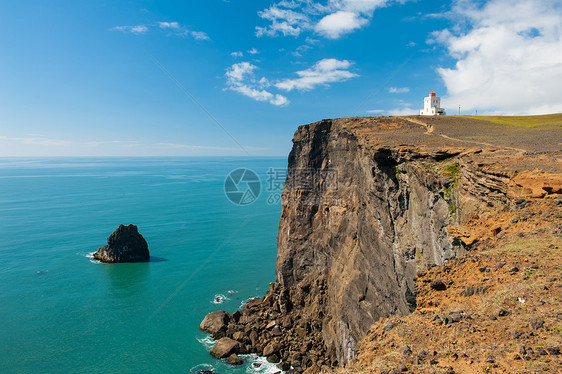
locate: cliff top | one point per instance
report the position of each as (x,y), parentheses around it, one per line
(529,147)
(518,134)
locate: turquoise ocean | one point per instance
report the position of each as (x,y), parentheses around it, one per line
(63,312)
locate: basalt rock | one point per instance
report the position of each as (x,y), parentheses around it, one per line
(225,347)
(215,322)
(124,245)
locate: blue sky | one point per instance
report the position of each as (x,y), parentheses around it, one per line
(237,77)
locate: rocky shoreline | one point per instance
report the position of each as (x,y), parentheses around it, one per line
(282,326)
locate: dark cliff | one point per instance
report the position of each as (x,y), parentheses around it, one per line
(367,203)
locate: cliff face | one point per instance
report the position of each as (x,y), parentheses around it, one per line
(367,203)
(364,220)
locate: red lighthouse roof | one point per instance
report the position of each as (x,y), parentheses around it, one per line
(432,93)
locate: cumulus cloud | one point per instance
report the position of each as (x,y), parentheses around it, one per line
(241,78)
(334,25)
(283,21)
(237,54)
(332,20)
(508,58)
(322,73)
(398,90)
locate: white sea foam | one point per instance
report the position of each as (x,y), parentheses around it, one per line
(202,367)
(263,367)
(219,299)
(232,292)
(90,255)
(245,301)
(253,363)
(207,341)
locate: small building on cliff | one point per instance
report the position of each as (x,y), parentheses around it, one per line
(431,106)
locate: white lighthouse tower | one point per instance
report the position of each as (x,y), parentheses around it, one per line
(431,106)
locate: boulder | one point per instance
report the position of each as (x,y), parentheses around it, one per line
(240,336)
(225,347)
(233,359)
(274,358)
(124,245)
(284,366)
(215,322)
(271,348)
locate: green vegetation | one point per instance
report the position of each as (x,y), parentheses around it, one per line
(527,121)
(453,207)
(453,169)
(450,191)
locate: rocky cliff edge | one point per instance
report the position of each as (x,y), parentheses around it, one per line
(368,203)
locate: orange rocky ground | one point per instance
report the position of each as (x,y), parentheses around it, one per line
(498,309)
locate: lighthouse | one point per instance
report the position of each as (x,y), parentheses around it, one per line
(431,106)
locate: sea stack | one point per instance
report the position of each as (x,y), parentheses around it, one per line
(124,245)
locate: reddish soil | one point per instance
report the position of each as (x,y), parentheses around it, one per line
(498,309)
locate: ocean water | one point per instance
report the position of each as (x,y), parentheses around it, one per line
(63,312)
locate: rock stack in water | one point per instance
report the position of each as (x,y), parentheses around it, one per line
(124,245)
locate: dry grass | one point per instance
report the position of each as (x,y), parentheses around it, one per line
(527,121)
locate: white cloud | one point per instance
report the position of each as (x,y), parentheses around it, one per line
(237,72)
(332,20)
(237,54)
(240,78)
(188,146)
(334,25)
(36,140)
(121,143)
(283,21)
(137,29)
(323,72)
(41,140)
(171,28)
(405,110)
(253,51)
(200,35)
(398,90)
(169,25)
(168,145)
(508,59)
